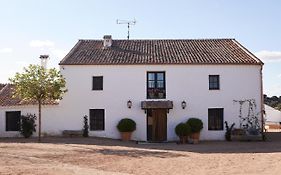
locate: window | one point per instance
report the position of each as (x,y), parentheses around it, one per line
(96,119)
(98,83)
(156,88)
(215,119)
(214,82)
(13,120)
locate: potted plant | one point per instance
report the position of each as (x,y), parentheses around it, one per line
(160,94)
(183,130)
(126,126)
(86,127)
(228,131)
(196,126)
(150,93)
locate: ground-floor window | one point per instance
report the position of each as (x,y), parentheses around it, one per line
(96,119)
(215,119)
(13,120)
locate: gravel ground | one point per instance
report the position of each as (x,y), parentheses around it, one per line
(105,156)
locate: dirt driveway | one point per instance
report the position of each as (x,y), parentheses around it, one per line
(105,156)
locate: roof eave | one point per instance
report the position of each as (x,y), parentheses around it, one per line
(107,64)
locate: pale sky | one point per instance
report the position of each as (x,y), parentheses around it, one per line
(31,27)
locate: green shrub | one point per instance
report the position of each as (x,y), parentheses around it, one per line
(27,125)
(195,124)
(126,125)
(183,129)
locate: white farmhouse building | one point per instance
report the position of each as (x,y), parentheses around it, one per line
(272,119)
(12,108)
(272,115)
(157,83)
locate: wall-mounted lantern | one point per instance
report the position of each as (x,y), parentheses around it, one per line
(183,104)
(129,103)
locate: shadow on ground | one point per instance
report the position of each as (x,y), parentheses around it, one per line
(158,149)
(136,153)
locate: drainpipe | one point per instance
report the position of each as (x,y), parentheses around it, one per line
(262,101)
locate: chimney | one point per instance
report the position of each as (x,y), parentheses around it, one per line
(44,60)
(107,41)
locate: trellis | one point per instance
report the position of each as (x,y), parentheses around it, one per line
(251,120)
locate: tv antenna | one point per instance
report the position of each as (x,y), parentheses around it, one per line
(129,23)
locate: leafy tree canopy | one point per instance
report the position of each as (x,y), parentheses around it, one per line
(273,101)
(38,83)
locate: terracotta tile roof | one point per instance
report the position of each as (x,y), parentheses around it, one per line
(6,97)
(198,51)
(1,86)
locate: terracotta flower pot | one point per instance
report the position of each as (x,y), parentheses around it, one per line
(126,136)
(195,137)
(183,139)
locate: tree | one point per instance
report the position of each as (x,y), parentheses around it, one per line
(278,107)
(273,101)
(39,84)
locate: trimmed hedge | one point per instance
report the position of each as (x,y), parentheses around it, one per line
(183,129)
(196,124)
(126,125)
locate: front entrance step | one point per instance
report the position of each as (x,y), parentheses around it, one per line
(71,133)
(246,137)
(151,142)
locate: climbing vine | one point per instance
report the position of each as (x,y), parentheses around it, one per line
(250,121)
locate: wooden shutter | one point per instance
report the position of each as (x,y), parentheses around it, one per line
(215,119)
(13,120)
(96,119)
(98,83)
(214,82)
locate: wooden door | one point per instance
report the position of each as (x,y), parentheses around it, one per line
(157,125)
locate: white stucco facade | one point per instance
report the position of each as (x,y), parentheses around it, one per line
(128,82)
(183,82)
(49,119)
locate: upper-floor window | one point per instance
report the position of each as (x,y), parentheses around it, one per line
(156,86)
(97,83)
(13,120)
(214,82)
